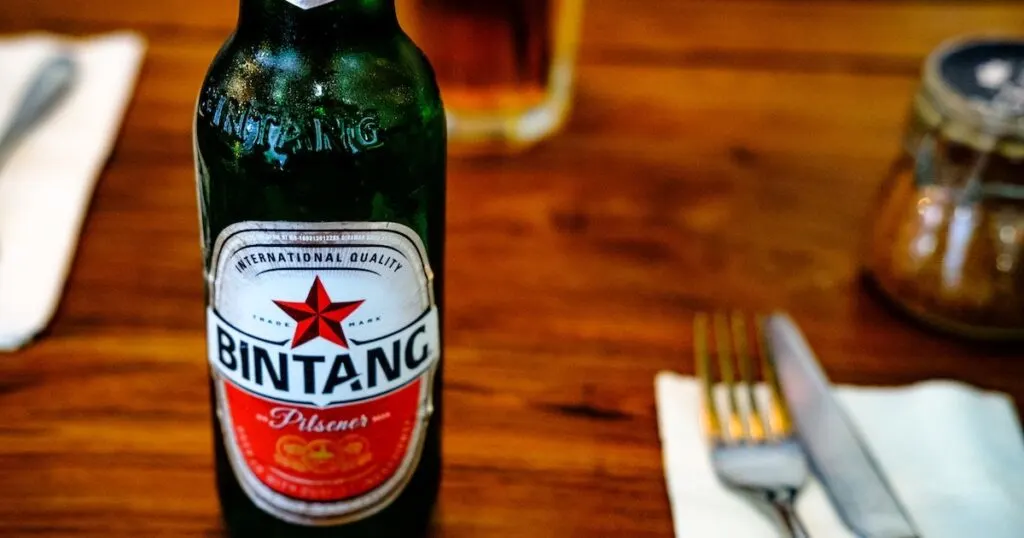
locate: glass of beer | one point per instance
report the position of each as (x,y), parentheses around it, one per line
(505,67)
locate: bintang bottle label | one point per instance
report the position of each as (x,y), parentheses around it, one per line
(323,341)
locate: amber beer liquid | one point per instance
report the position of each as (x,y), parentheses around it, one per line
(505,67)
(320,144)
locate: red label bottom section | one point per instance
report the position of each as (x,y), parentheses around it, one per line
(324,455)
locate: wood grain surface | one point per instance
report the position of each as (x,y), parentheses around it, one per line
(720,155)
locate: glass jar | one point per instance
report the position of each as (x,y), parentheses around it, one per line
(947,233)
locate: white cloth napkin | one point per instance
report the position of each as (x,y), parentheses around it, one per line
(46,186)
(954,454)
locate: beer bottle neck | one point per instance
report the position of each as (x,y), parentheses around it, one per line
(335,19)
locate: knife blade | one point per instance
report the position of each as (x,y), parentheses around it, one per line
(841,460)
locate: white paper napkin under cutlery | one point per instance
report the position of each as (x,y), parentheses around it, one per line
(954,455)
(48,180)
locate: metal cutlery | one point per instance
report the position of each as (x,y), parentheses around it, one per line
(840,459)
(48,87)
(754,451)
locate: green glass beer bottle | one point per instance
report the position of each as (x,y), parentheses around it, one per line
(320,157)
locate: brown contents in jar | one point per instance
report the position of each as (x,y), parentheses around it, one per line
(948,239)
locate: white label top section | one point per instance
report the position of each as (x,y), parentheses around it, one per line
(308,4)
(321,314)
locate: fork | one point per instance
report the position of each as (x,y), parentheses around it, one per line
(753,447)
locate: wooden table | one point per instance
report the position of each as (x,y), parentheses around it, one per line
(721,154)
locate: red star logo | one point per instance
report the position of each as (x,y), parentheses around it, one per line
(318,316)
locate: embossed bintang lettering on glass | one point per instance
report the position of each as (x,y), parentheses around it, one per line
(283,135)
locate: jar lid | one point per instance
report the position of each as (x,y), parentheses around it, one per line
(978,82)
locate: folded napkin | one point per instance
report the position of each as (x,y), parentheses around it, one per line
(46,185)
(954,455)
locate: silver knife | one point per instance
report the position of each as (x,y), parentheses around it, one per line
(48,87)
(855,483)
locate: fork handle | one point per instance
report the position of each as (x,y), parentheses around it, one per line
(785,512)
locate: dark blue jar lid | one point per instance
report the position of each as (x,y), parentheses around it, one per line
(979,81)
(986,71)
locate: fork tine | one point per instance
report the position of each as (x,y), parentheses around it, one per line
(722,339)
(753,423)
(712,426)
(779,420)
